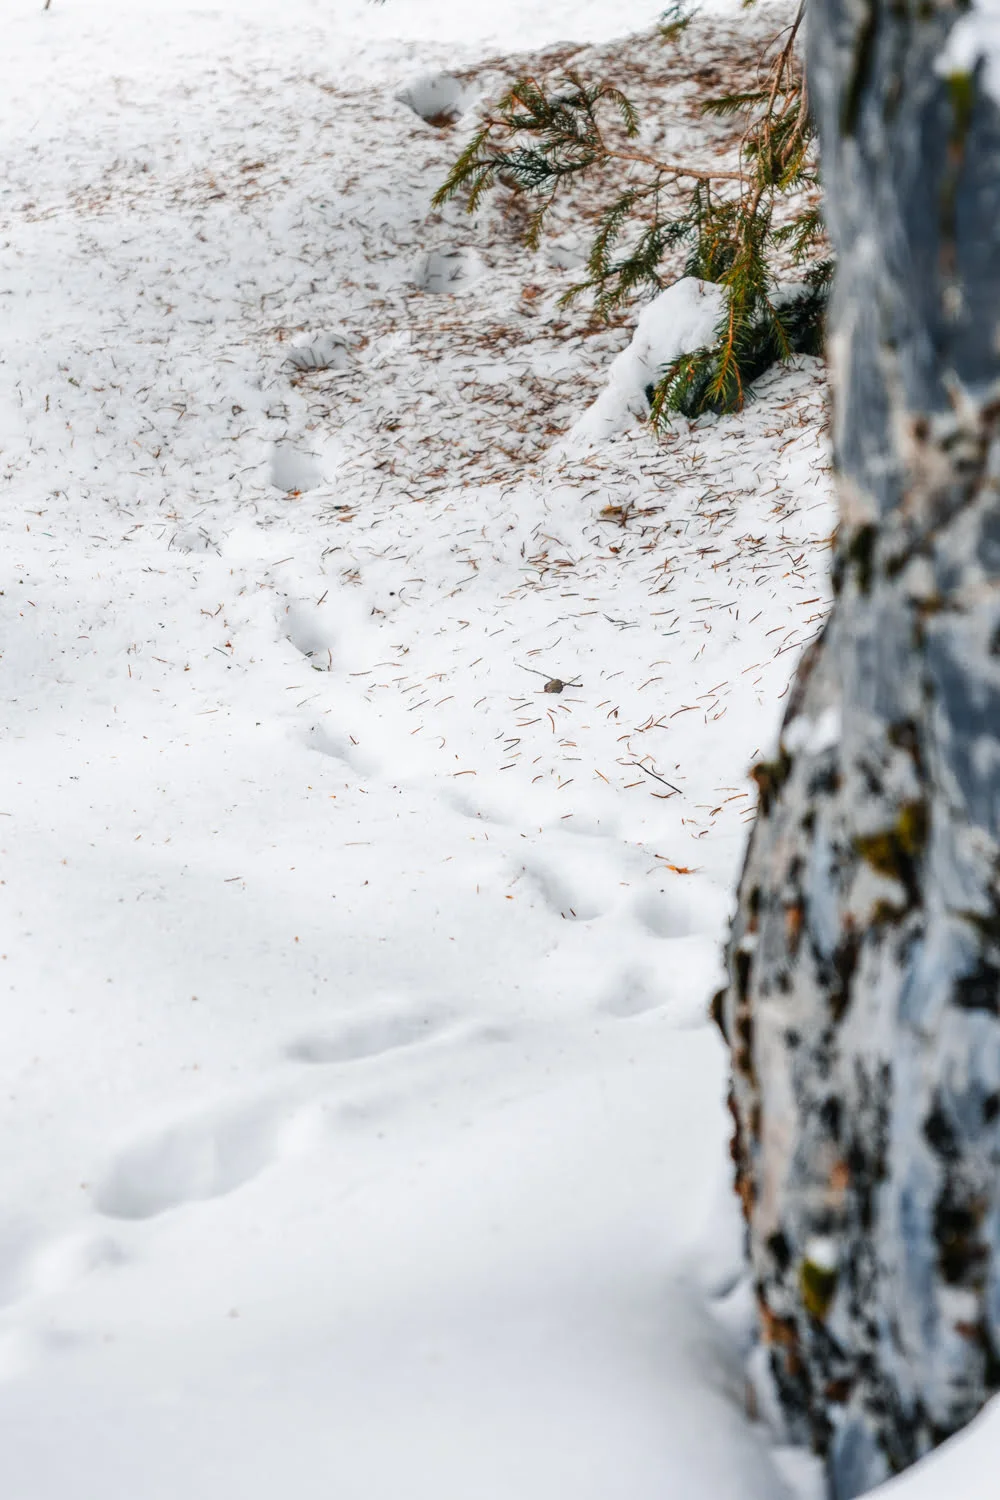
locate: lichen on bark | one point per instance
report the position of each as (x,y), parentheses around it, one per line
(862,1007)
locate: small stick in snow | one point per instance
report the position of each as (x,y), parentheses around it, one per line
(656,776)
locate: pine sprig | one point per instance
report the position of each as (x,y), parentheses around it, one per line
(539,139)
(726,105)
(534,141)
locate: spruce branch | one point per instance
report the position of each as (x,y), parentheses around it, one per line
(542,137)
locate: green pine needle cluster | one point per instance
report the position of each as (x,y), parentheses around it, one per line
(734,225)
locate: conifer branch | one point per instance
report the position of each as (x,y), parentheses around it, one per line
(541,138)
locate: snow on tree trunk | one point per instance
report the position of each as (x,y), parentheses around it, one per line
(863,999)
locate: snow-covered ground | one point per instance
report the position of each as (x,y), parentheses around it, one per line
(373,783)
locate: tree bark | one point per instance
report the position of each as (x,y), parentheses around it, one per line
(863,1000)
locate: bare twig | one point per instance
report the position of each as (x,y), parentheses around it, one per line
(656,776)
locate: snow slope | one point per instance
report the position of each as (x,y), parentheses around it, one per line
(373,784)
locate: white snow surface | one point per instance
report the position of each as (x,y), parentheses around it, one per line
(362,1130)
(974,39)
(965,1466)
(681,319)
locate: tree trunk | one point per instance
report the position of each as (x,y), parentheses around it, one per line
(863,998)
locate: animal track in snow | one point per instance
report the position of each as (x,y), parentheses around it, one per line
(341,747)
(368,1036)
(193,539)
(23,1348)
(567,253)
(442,271)
(212,1153)
(676,983)
(571,887)
(321,351)
(661,916)
(631,995)
(65,1262)
(688,906)
(310,631)
(437,98)
(295,470)
(483,807)
(204,1156)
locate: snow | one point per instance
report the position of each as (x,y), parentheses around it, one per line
(436,97)
(374,785)
(975,38)
(966,1465)
(813,735)
(681,319)
(822,1252)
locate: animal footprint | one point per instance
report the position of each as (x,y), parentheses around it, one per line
(443,271)
(633,994)
(321,351)
(485,806)
(367,1036)
(202,1157)
(684,908)
(676,983)
(310,631)
(342,747)
(437,98)
(566,889)
(295,470)
(65,1262)
(193,539)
